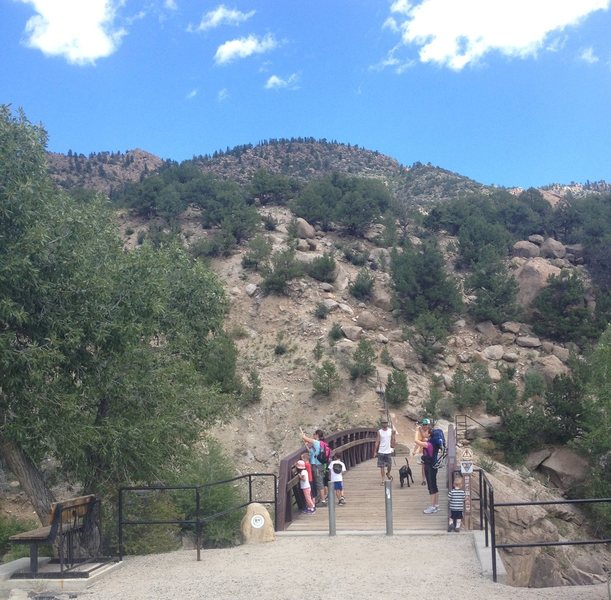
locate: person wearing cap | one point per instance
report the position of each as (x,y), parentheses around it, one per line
(429,456)
(422,434)
(383,449)
(304,485)
(318,469)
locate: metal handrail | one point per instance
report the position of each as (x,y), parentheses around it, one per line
(198,521)
(356,446)
(488,508)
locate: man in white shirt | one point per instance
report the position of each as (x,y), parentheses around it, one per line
(384,447)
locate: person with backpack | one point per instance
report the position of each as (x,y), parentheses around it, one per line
(429,457)
(336,474)
(320,454)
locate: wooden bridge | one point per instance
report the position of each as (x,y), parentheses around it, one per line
(365,508)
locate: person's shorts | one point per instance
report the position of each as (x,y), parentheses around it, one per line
(384,460)
(456,514)
(338,485)
(317,472)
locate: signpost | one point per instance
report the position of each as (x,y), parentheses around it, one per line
(466,468)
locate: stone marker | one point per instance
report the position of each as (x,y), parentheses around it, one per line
(257,525)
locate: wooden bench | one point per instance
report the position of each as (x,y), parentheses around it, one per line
(66,520)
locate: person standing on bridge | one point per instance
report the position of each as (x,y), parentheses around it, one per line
(318,469)
(429,457)
(384,447)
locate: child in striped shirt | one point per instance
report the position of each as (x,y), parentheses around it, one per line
(457,504)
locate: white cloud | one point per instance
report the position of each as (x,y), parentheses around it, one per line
(191,94)
(455,33)
(222,15)
(170,4)
(80,31)
(275,82)
(244,47)
(222,95)
(587,55)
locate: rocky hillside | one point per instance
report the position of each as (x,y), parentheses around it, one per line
(303,160)
(103,171)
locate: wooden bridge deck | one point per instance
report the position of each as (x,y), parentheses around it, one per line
(365,504)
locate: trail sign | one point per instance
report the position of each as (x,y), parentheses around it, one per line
(467,454)
(466,467)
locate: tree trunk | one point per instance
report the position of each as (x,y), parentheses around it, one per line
(29,476)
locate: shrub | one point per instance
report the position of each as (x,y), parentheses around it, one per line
(259,251)
(252,390)
(385,357)
(318,350)
(335,333)
(282,269)
(471,388)
(362,287)
(10,526)
(362,360)
(356,255)
(429,336)
(326,379)
(321,311)
(269,223)
(397,391)
(322,268)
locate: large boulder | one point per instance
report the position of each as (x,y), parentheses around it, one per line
(304,229)
(552,248)
(550,367)
(367,320)
(565,468)
(525,249)
(532,277)
(352,332)
(381,299)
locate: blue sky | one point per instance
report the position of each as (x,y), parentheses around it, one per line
(507,92)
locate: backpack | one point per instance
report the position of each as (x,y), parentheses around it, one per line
(324,455)
(337,468)
(438,439)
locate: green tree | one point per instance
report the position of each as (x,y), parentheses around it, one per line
(101,349)
(421,283)
(397,390)
(362,360)
(322,268)
(495,290)
(596,438)
(259,251)
(326,379)
(283,267)
(362,287)
(560,311)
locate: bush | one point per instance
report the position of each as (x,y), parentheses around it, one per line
(356,255)
(472,388)
(397,391)
(362,287)
(259,251)
(362,360)
(321,311)
(335,333)
(326,379)
(318,351)
(322,268)
(282,269)
(10,526)
(429,336)
(252,390)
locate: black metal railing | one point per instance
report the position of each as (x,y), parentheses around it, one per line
(196,520)
(489,508)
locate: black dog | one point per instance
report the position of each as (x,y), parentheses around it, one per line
(405,474)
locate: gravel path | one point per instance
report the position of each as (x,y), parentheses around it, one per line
(374,567)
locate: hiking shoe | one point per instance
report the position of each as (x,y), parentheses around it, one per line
(457,529)
(450,527)
(430,510)
(323,503)
(311,510)
(342,501)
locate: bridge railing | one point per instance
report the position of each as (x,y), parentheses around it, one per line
(490,508)
(356,446)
